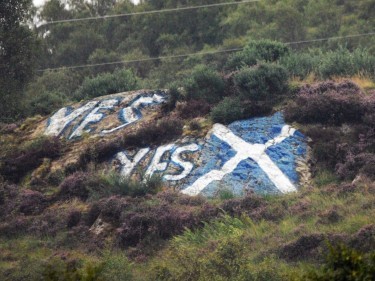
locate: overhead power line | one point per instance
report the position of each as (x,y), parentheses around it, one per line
(331,38)
(201,53)
(152,12)
(145,59)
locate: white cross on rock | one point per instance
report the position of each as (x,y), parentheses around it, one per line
(246,150)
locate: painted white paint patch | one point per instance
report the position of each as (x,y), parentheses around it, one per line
(129,114)
(187,166)
(93,117)
(147,101)
(127,166)
(245,150)
(61,118)
(156,165)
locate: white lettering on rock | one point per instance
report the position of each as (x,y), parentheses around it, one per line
(93,117)
(127,166)
(131,114)
(61,119)
(187,166)
(156,165)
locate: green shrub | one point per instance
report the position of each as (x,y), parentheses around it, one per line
(233,108)
(225,194)
(342,62)
(45,103)
(300,64)
(344,264)
(204,83)
(267,50)
(241,59)
(227,111)
(120,80)
(113,267)
(174,96)
(262,83)
(63,81)
(114,183)
(262,50)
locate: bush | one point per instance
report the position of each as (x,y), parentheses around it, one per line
(267,50)
(100,151)
(300,64)
(245,205)
(262,50)
(262,83)
(147,219)
(18,163)
(156,133)
(76,185)
(45,103)
(342,62)
(193,108)
(204,83)
(228,110)
(115,184)
(344,264)
(160,220)
(120,80)
(327,103)
(240,59)
(74,218)
(233,108)
(32,202)
(174,96)
(363,163)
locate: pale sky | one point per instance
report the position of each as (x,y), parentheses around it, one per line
(39,3)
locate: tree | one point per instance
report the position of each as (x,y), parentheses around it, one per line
(17,55)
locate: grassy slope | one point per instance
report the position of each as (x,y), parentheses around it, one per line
(227,248)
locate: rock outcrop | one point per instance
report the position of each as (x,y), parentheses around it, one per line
(261,154)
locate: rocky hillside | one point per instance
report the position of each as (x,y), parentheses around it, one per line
(252,173)
(261,154)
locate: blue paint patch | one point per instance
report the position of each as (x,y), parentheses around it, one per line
(214,154)
(260,129)
(248,175)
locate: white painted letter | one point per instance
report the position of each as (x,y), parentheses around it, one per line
(131,114)
(187,166)
(93,117)
(61,119)
(155,164)
(128,166)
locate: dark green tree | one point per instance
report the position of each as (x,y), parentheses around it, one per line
(18,45)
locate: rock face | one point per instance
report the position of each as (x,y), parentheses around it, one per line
(102,116)
(260,154)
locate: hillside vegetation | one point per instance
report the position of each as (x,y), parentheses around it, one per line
(84,222)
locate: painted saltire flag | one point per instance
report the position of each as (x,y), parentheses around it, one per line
(258,154)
